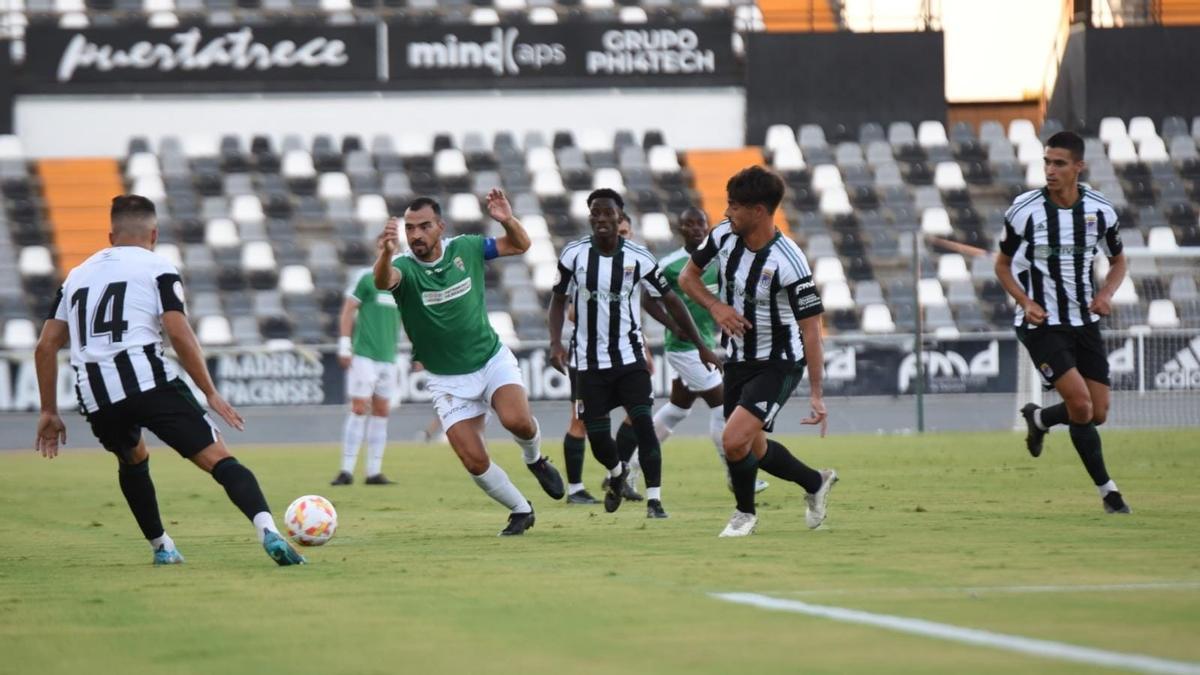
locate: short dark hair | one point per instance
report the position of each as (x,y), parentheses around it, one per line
(136,206)
(1069,141)
(421,202)
(606,193)
(755,185)
(625,217)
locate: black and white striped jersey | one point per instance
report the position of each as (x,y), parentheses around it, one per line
(112,304)
(773,288)
(607,299)
(1052,250)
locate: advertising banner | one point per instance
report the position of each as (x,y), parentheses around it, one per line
(302,54)
(582,54)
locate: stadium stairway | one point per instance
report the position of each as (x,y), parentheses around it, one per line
(794,16)
(77,193)
(711,169)
(1180,12)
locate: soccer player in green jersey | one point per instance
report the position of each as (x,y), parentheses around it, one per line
(367,352)
(438,286)
(692,379)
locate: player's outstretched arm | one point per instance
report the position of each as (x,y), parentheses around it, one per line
(515,240)
(51,432)
(688,329)
(386,276)
(1102,303)
(1034,313)
(814,354)
(558,312)
(191,357)
(727,318)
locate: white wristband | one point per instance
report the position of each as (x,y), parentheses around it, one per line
(344,346)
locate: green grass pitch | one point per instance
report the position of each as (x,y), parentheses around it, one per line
(942,527)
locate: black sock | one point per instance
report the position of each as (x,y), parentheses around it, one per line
(573,452)
(647,440)
(1054,415)
(777,461)
(241,486)
(1087,443)
(139,494)
(742,474)
(627,441)
(599,433)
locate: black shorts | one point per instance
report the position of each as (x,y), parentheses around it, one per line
(761,387)
(599,391)
(573,374)
(170,411)
(1057,349)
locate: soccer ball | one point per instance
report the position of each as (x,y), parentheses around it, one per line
(310,520)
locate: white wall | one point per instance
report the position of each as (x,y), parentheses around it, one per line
(59,126)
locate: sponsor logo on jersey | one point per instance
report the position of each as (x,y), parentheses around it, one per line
(454,292)
(385,298)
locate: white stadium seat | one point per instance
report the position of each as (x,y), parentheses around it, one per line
(836,295)
(171,253)
(662,159)
(296,280)
(19,334)
(214,330)
(334,185)
(953,267)
(935,221)
(1162,314)
(877,318)
(655,227)
(35,261)
(827,270)
(258,256)
(221,233)
(371,210)
(930,293)
(1112,128)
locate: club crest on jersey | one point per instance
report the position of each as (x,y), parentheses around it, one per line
(1090,221)
(459,264)
(764,280)
(628,274)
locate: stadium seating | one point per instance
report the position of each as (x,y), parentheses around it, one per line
(266,231)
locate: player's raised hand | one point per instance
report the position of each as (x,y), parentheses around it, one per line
(391,236)
(709,358)
(819,415)
(51,432)
(498,207)
(558,357)
(227,412)
(728,319)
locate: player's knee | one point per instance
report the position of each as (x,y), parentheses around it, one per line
(1099,416)
(521,426)
(1080,411)
(736,444)
(380,407)
(358,406)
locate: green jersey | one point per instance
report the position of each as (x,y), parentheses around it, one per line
(671,265)
(376,327)
(443,308)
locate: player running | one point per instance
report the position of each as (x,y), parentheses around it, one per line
(439,289)
(692,379)
(113,310)
(1045,263)
(369,325)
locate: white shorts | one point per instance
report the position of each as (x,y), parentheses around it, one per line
(463,397)
(691,370)
(368,377)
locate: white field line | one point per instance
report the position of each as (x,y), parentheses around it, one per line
(971,636)
(982,590)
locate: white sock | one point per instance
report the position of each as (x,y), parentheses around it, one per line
(572,488)
(263,523)
(654,493)
(164,541)
(667,418)
(635,468)
(497,486)
(531,448)
(1107,488)
(376,443)
(716,432)
(616,470)
(1037,420)
(352,437)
